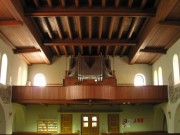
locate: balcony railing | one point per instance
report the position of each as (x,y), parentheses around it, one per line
(77,94)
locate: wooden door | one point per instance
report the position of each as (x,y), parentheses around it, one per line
(113,123)
(66,123)
(90,124)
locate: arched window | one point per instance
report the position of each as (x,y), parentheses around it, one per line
(155,78)
(39,80)
(139,80)
(4,69)
(160,77)
(176,69)
(19,76)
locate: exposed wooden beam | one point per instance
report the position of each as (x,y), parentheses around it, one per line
(107,49)
(154,50)
(90,12)
(65,51)
(58,28)
(133,26)
(90,26)
(122,27)
(117,3)
(57,50)
(47,24)
(10,23)
(90,42)
(63,3)
(50,3)
(103,3)
(90,3)
(73,49)
(123,49)
(21,50)
(68,27)
(170,23)
(90,31)
(77,3)
(78,21)
(130,2)
(115,50)
(100,26)
(36,2)
(16,10)
(143,3)
(111,27)
(163,11)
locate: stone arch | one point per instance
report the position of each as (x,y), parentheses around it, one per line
(177,120)
(2,121)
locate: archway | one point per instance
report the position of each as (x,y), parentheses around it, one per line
(177,120)
(2,121)
(160,121)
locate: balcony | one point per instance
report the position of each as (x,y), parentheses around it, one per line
(90,94)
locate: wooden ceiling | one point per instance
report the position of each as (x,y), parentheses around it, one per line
(142,30)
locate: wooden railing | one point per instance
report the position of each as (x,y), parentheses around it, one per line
(140,133)
(126,133)
(81,93)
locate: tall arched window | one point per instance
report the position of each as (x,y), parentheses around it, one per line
(4,69)
(139,80)
(176,69)
(160,77)
(39,80)
(155,78)
(19,76)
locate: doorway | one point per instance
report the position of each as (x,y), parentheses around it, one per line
(90,124)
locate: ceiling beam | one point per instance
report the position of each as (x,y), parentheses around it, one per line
(58,28)
(90,42)
(122,27)
(163,11)
(117,3)
(113,19)
(100,27)
(170,23)
(154,50)
(68,27)
(20,50)
(10,23)
(90,12)
(36,2)
(133,26)
(16,10)
(46,23)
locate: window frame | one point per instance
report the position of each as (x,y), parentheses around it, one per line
(143,77)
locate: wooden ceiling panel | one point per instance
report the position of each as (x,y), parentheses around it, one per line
(91,27)
(175,13)
(5,14)
(19,36)
(163,36)
(34,58)
(147,58)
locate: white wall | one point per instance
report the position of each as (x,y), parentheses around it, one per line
(166,62)
(55,73)
(125,73)
(14,63)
